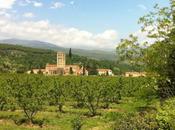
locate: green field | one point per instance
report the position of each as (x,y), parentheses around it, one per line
(93,103)
(62,121)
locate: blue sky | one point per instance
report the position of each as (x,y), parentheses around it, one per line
(90,20)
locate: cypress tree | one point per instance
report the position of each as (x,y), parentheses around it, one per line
(70,55)
(71,71)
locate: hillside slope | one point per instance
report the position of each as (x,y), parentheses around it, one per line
(93,54)
(15,58)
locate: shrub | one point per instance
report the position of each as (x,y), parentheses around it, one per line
(19,120)
(112,116)
(77,123)
(39,122)
(141,121)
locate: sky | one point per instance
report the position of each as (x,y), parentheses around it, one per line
(84,24)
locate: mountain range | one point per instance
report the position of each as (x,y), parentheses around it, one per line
(93,54)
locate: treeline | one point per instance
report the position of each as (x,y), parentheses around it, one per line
(31,93)
(14,58)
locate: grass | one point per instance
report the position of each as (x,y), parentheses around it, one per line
(62,121)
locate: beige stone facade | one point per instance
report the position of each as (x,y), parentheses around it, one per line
(36,71)
(61,68)
(61,60)
(105,72)
(135,74)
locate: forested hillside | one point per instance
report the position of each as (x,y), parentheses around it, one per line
(93,54)
(14,58)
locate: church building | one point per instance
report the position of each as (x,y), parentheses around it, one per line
(61,68)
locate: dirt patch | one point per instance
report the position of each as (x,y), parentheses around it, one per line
(113,110)
(96,128)
(1,121)
(43,127)
(5,122)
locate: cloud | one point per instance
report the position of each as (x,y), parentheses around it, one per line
(4,13)
(37,4)
(143,37)
(28,15)
(30,2)
(6,4)
(22,3)
(72,2)
(57,5)
(141,6)
(59,35)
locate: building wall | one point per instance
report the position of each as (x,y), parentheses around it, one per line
(75,69)
(51,69)
(102,73)
(110,73)
(105,71)
(61,68)
(61,60)
(36,71)
(135,74)
(82,73)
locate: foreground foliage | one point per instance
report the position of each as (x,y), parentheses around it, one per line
(32,93)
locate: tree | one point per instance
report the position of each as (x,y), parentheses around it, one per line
(77,92)
(130,51)
(70,53)
(84,70)
(91,96)
(106,93)
(29,93)
(171,66)
(3,97)
(110,91)
(157,58)
(40,71)
(31,72)
(107,73)
(71,71)
(57,94)
(92,69)
(158,23)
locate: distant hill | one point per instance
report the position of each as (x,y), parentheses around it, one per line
(16,58)
(93,54)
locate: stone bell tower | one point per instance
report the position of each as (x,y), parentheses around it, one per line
(61,59)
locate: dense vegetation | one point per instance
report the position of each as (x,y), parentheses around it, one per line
(90,96)
(157,58)
(20,59)
(91,54)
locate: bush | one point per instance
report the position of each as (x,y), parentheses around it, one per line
(39,122)
(141,121)
(77,123)
(19,120)
(112,116)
